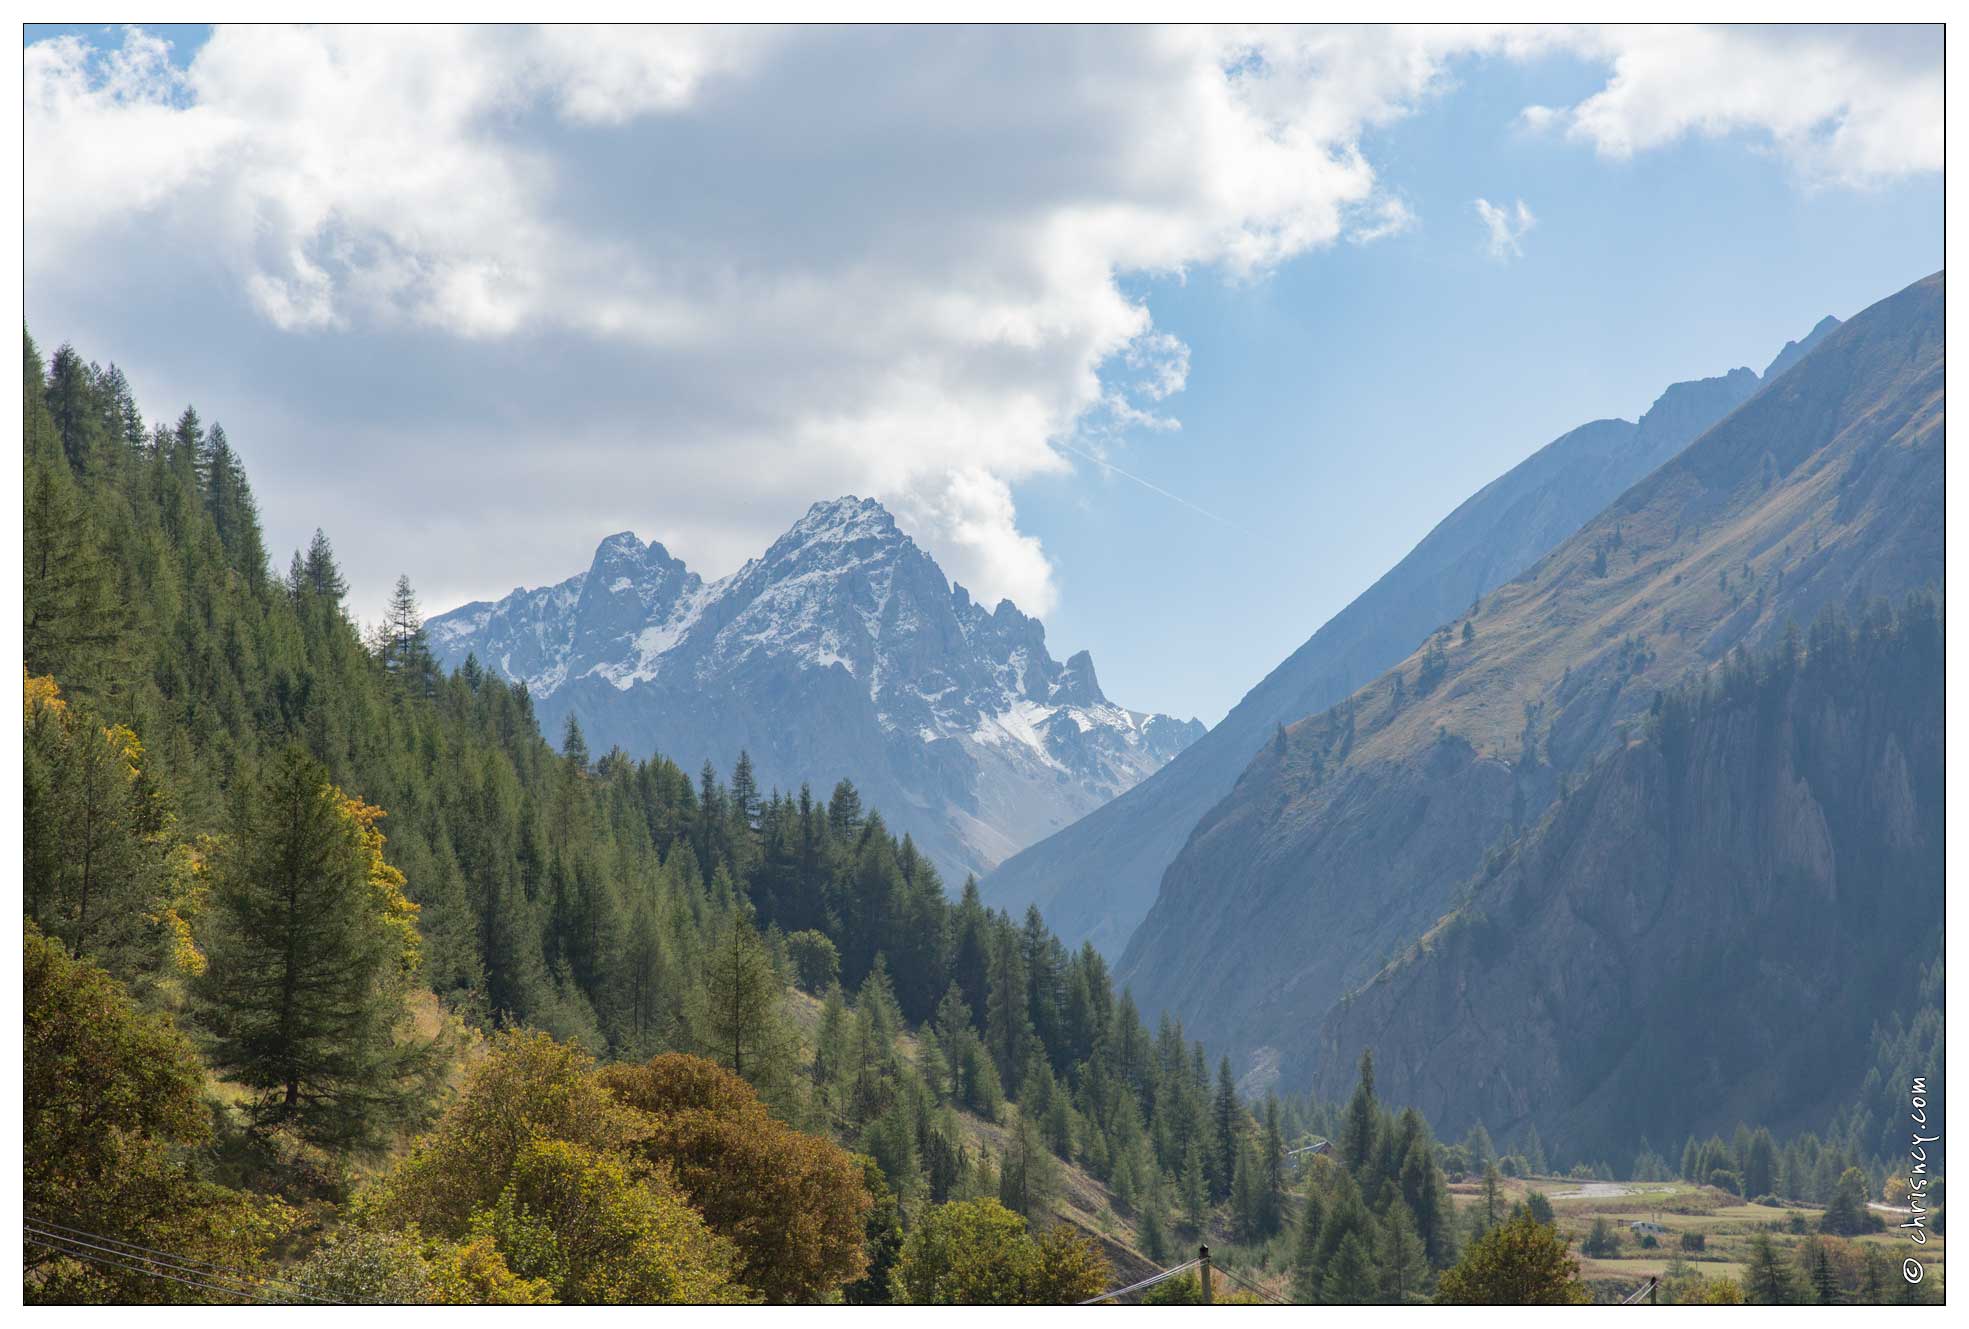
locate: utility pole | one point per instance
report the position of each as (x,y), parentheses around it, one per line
(1203,1255)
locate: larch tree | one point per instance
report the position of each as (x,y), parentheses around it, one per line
(739,1019)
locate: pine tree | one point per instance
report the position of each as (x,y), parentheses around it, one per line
(72,405)
(1307,1272)
(320,574)
(1825,1283)
(1846,1212)
(1404,1261)
(92,864)
(1007,1027)
(1224,1120)
(574,748)
(1246,1190)
(1155,1242)
(1194,1188)
(1357,1130)
(1767,1278)
(307,975)
(1426,1193)
(1535,1153)
(1271,1206)
(1490,1209)
(1027,1177)
(404,652)
(1351,1278)
(71,615)
(740,1018)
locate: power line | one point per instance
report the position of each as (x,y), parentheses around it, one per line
(1148,1282)
(33,1240)
(1247,1283)
(133,1249)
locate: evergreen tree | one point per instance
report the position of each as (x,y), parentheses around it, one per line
(1357,1130)
(1194,1188)
(1846,1213)
(740,1020)
(70,613)
(1351,1278)
(320,575)
(313,949)
(1007,1027)
(1825,1283)
(1535,1153)
(401,647)
(1404,1261)
(1767,1278)
(1225,1115)
(92,865)
(1028,1178)
(1247,1188)
(1426,1193)
(574,747)
(1272,1201)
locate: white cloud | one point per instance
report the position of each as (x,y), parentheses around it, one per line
(1505,228)
(471,297)
(1846,106)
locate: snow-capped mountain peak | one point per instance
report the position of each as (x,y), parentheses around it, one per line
(842,651)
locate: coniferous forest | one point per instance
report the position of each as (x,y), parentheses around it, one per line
(343,983)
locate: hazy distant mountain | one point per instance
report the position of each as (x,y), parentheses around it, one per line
(841,652)
(1354,832)
(1717,926)
(1098,877)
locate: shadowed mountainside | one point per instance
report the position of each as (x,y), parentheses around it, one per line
(1096,879)
(1351,832)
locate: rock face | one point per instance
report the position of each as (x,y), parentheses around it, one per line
(1656,958)
(1096,879)
(842,652)
(1350,835)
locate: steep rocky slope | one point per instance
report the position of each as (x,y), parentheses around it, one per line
(1348,835)
(841,652)
(1096,879)
(1706,931)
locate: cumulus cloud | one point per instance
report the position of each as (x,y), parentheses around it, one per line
(1504,228)
(1845,106)
(472,297)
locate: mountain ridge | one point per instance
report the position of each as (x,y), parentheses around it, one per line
(1345,839)
(1097,879)
(840,652)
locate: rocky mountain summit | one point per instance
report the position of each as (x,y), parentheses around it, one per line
(841,652)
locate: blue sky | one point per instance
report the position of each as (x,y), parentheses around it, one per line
(474,300)
(1340,409)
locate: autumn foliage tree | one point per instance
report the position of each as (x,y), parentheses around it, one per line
(1520,1262)
(539,1159)
(92,853)
(978,1253)
(794,1203)
(111,1101)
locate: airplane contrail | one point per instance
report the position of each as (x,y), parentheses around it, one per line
(1155,488)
